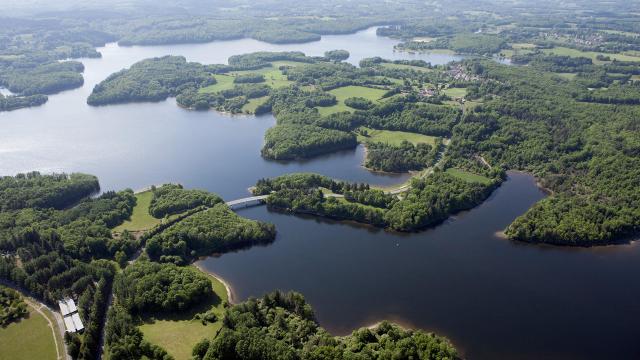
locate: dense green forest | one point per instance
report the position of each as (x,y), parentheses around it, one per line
(149,286)
(52,250)
(12,307)
(215,230)
(429,201)
(294,141)
(150,80)
(170,199)
(283,326)
(402,158)
(57,241)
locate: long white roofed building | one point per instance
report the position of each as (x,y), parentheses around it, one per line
(69,311)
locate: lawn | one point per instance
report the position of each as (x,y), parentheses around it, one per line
(394,137)
(251,106)
(346,92)
(455,92)
(140,219)
(224,82)
(468,176)
(31,338)
(589,54)
(178,333)
(568,76)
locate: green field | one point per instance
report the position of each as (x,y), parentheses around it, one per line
(31,338)
(346,92)
(178,333)
(224,82)
(589,54)
(273,77)
(568,76)
(394,137)
(456,92)
(140,219)
(251,106)
(468,176)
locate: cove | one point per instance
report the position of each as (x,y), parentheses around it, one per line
(495,299)
(135,145)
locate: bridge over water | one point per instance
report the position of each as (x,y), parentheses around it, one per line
(247,202)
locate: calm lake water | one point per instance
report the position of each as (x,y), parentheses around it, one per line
(493,298)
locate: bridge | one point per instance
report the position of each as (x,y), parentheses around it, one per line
(247,202)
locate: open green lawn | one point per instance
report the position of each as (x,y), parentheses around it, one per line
(346,92)
(589,54)
(394,137)
(568,76)
(251,106)
(178,333)
(224,82)
(31,338)
(468,176)
(140,219)
(456,92)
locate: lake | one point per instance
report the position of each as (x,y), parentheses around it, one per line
(495,299)
(492,297)
(134,145)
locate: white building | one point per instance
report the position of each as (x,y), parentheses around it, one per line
(69,311)
(77,322)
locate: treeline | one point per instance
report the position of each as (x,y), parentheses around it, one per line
(41,79)
(623,94)
(148,287)
(479,44)
(12,307)
(429,201)
(45,191)
(283,326)
(401,158)
(150,80)
(433,199)
(292,141)
(229,100)
(125,341)
(554,63)
(8,103)
(214,230)
(170,199)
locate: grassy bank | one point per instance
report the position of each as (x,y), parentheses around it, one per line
(178,333)
(346,92)
(394,137)
(31,338)
(140,219)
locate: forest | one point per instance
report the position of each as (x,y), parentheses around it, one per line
(402,158)
(283,326)
(171,199)
(12,307)
(147,286)
(215,230)
(150,80)
(428,202)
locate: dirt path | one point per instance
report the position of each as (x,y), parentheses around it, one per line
(38,307)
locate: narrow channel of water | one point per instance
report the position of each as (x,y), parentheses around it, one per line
(495,299)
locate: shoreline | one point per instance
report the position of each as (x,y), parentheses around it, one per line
(228,288)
